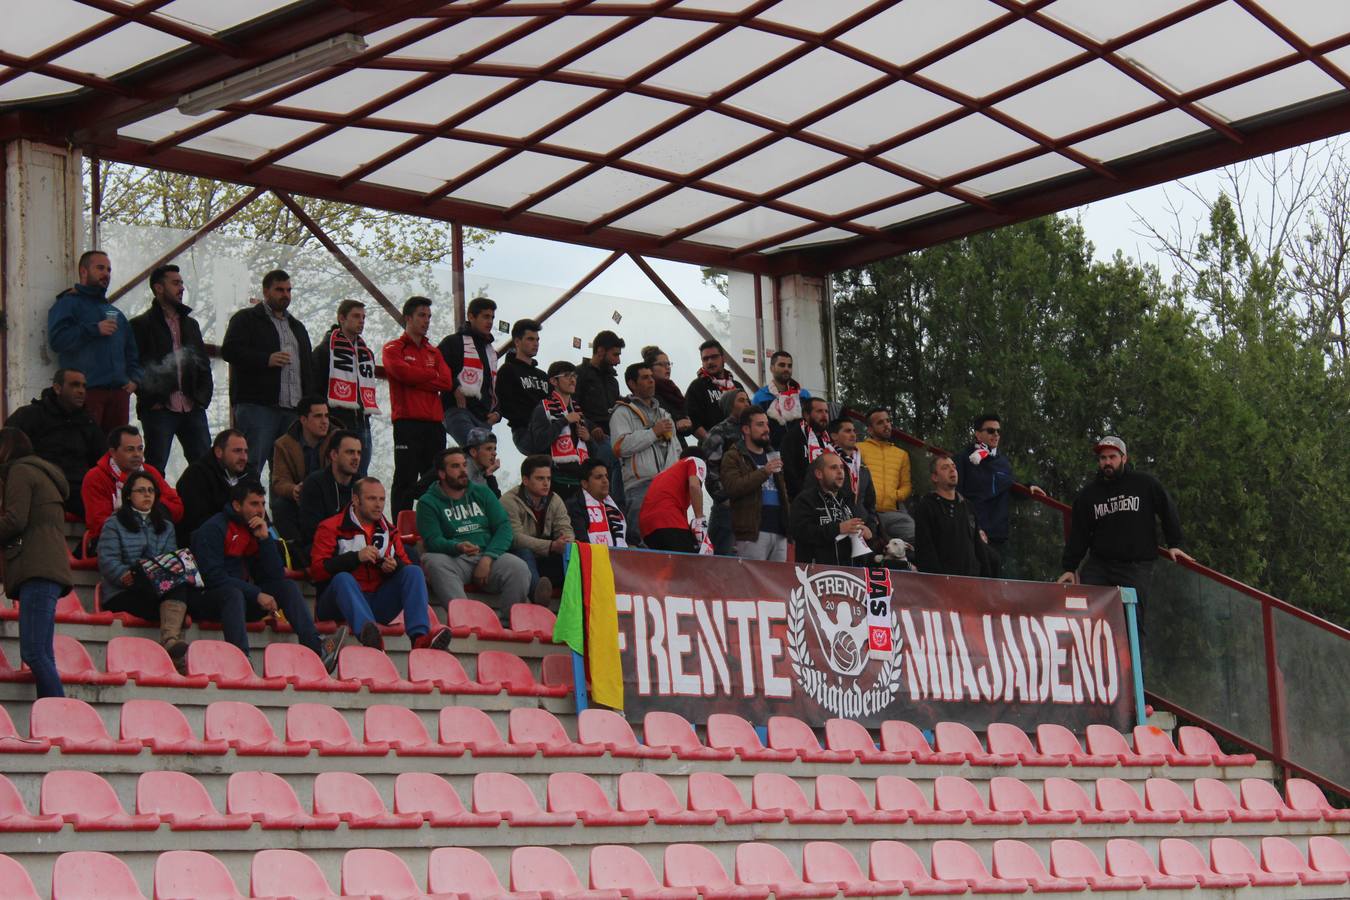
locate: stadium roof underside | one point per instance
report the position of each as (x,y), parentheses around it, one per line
(775,136)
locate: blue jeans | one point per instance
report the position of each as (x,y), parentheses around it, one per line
(161,426)
(262,425)
(227,605)
(459,422)
(405,591)
(37,630)
(550,566)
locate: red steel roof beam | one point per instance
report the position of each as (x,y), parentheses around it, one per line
(1300,46)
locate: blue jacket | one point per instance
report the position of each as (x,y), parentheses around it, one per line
(72,332)
(119,547)
(986,487)
(228,555)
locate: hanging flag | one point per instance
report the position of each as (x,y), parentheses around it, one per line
(570,628)
(602,631)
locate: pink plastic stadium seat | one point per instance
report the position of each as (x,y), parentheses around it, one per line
(1070,859)
(182,801)
(728,731)
(556,670)
(793,735)
(75,666)
(193,875)
(1231,857)
(541,728)
(271,801)
(162,727)
(496,667)
(12,742)
(1303,794)
(1150,739)
(1279,854)
(17,883)
(302,669)
(1116,794)
(957,861)
(1064,795)
(353,799)
(1199,742)
(825,862)
(535,621)
(9,673)
(1010,741)
(953,737)
(1016,861)
(1259,795)
(402,729)
(473,728)
(227,666)
(616,867)
(547,871)
(324,729)
(648,792)
(287,873)
(1163,794)
(1214,795)
(612,731)
(671,731)
(436,801)
(579,794)
(897,734)
(245,728)
(89,803)
(839,793)
(14,815)
(148,664)
(896,793)
(1012,795)
(1328,854)
(91,875)
(1060,741)
(892,862)
(951,792)
(381,873)
(695,866)
(75,727)
(473,617)
(445,672)
(459,870)
(775,791)
(764,864)
(1105,740)
(70,611)
(716,792)
(375,670)
(852,737)
(1126,858)
(504,793)
(1180,857)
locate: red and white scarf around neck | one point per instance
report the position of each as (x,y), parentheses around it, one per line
(351,374)
(787,403)
(853,464)
(471,377)
(568,446)
(816,442)
(604,522)
(722,381)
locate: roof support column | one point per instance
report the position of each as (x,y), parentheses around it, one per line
(800,325)
(42,237)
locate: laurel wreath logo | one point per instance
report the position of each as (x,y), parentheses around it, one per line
(815,682)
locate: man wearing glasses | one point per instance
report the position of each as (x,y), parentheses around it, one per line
(706,390)
(985,478)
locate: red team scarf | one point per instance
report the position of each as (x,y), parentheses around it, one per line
(723,382)
(816,442)
(568,447)
(471,375)
(604,522)
(787,404)
(351,374)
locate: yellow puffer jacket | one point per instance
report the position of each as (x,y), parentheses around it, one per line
(889,466)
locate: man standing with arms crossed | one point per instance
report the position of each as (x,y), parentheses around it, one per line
(417,374)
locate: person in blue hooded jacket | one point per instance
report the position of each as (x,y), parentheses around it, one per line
(88,333)
(985,478)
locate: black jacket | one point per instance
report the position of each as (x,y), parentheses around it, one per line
(702,399)
(597,392)
(249,340)
(71,441)
(520,387)
(204,491)
(452,351)
(1114,519)
(813,525)
(947,540)
(796,467)
(320,497)
(155,342)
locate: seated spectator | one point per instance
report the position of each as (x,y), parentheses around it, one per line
(946,539)
(596,518)
(465,537)
(295,456)
(244,576)
(804,441)
(719,438)
(102,487)
(844,437)
(362,575)
(705,392)
(665,518)
(328,491)
(782,398)
(141,530)
(669,395)
(824,522)
(205,485)
(483,463)
(63,432)
(643,434)
(889,466)
(540,529)
(558,429)
(752,476)
(520,383)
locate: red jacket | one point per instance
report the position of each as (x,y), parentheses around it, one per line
(100,487)
(417,375)
(338,540)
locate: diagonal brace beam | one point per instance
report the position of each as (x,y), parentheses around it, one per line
(571,292)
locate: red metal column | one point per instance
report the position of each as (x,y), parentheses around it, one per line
(778,312)
(759,328)
(457,270)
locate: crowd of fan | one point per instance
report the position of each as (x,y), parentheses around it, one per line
(602,465)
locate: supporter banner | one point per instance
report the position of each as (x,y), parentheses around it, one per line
(715,634)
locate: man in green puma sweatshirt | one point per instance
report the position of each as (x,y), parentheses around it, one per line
(465,538)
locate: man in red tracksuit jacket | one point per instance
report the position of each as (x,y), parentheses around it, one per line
(101,489)
(417,374)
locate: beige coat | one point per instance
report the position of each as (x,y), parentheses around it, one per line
(526,533)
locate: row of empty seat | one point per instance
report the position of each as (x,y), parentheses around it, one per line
(691,870)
